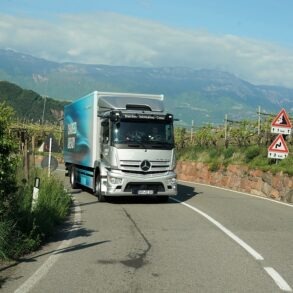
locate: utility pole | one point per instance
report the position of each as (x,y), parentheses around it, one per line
(43,116)
(226,129)
(26,159)
(50,155)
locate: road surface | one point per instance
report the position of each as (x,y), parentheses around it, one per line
(205,240)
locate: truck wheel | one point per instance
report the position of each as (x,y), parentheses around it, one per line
(97,190)
(73,181)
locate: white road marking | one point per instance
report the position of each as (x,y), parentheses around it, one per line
(239,241)
(282,284)
(44,269)
(278,279)
(240,192)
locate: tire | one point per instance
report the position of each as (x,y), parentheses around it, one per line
(73,181)
(97,189)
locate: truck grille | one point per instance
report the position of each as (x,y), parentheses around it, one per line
(135,166)
(134,187)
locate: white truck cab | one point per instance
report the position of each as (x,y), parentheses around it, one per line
(120,144)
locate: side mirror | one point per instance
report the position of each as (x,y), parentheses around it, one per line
(115,116)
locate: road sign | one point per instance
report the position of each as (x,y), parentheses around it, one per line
(278,149)
(281,123)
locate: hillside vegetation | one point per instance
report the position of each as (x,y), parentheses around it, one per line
(29,105)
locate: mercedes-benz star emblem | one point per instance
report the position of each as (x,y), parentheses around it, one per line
(145,165)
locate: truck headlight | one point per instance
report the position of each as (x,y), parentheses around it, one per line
(172,182)
(114,180)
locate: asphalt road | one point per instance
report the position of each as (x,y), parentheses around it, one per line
(207,240)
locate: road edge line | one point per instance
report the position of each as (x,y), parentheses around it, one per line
(240,192)
(229,233)
(278,279)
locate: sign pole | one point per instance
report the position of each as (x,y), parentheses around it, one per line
(50,153)
(35,192)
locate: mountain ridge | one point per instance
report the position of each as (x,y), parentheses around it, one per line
(29,105)
(202,95)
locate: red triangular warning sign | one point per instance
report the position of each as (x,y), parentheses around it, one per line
(282,120)
(279,145)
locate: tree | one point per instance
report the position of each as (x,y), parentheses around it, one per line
(8,164)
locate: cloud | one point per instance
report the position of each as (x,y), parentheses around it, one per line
(114,39)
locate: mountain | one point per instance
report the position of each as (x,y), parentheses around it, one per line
(29,105)
(204,96)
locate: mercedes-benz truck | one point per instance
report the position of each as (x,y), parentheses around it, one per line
(120,144)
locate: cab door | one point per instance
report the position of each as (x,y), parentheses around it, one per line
(105,141)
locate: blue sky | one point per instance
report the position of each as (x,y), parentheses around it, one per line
(252,39)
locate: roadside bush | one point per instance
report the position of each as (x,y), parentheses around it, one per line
(214,166)
(6,232)
(228,152)
(213,153)
(27,229)
(285,165)
(52,207)
(8,162)
(251,152)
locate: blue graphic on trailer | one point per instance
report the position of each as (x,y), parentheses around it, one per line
(78,120)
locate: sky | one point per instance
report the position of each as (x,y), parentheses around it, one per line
(252,39)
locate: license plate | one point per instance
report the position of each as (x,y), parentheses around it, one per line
(145,192)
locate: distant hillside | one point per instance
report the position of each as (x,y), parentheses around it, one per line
(204,96)
(29,105)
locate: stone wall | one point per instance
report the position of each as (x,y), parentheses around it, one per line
(240,178)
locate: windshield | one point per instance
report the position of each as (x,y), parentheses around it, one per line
(143,133)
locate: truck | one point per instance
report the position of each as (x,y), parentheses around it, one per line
(120,144)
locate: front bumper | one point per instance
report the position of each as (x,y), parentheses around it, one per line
(119,183)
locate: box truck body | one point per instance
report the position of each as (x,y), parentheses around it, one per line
(120,144)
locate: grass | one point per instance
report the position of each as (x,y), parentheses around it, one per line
(52,206)
(30,227)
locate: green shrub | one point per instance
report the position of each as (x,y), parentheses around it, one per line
(214,166)
(285,165)
(251,152)
(228,152)
(190,153)
(7,165)
(6,229)
(213,153)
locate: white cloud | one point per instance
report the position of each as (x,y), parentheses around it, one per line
(108,38)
